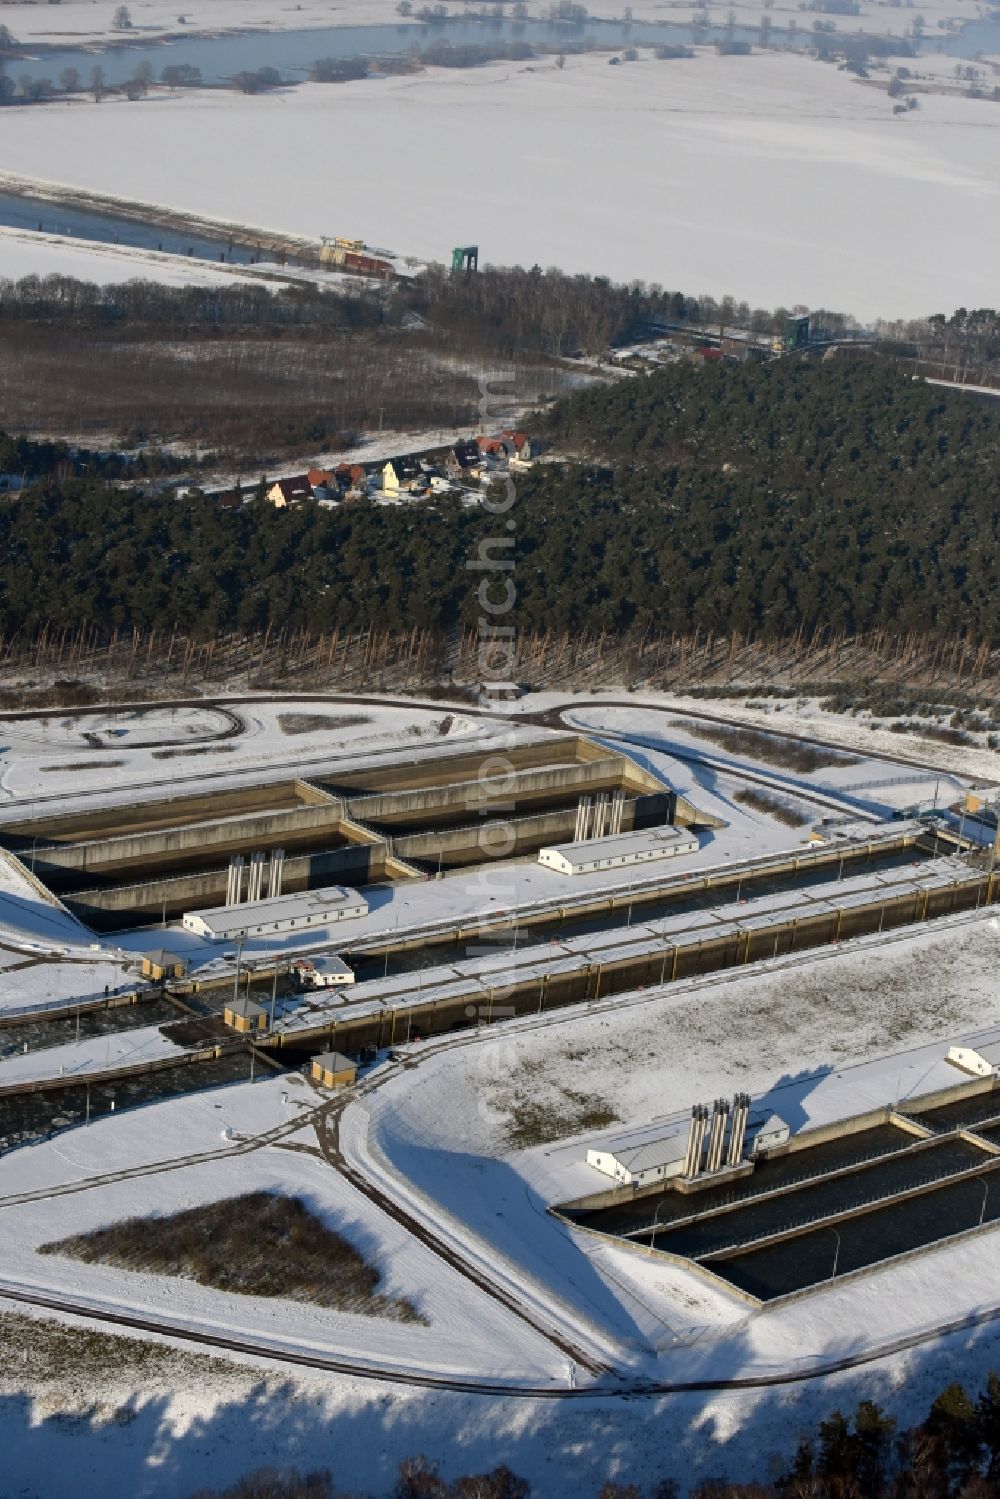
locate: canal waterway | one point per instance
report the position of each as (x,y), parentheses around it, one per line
(45,217)
(40,1034)
(829,1250)
(677,902)
(27,1118)
(293,53)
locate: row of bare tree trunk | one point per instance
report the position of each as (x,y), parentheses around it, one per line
(380,660)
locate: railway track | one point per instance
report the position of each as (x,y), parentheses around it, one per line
(328,1134)
(67,1306)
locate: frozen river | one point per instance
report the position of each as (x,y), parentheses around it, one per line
(294,52)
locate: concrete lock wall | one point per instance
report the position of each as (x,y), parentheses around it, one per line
(105,908)
(151,816)
(505,836)
(427,804)
(195,840)
(602,980)
(564,750)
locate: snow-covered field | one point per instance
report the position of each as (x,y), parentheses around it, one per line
(773,177)
(158,1423)
(55,757)
(860,735)
(461,1329)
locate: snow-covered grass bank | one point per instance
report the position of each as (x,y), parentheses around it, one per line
(774,177)
(47,757)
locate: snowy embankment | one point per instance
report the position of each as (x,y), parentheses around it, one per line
(31,920)
(172,1156)
(156,750)
(884,754)
(774,177)
(25,253)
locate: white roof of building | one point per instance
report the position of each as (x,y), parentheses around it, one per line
(329,963)
(765,1123)
(619,845)
(314,903)
(668,1147)
(990,1052)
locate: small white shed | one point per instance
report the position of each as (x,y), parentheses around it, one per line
(980,1061)
(765,1131)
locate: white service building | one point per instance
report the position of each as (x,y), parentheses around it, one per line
(326,971)
(765,1131)
(634,1165)
(980,1061)
(619,850)
(286,913)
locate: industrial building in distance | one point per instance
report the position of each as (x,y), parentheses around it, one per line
(287,913)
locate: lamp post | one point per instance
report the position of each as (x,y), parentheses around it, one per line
(274,992)
(656,1222)
(986,1192)
(236,979)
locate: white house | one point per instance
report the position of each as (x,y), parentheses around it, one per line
(765,1131)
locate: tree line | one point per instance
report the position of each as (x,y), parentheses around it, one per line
(758,501)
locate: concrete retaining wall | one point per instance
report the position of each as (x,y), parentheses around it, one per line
(106,908)
(496,793)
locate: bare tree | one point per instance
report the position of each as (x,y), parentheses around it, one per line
(122,19)
(97,82)
(177,75)
(69,80)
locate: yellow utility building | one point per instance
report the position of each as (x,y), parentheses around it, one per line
(333,1070)
(161,964)
(245,1016)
